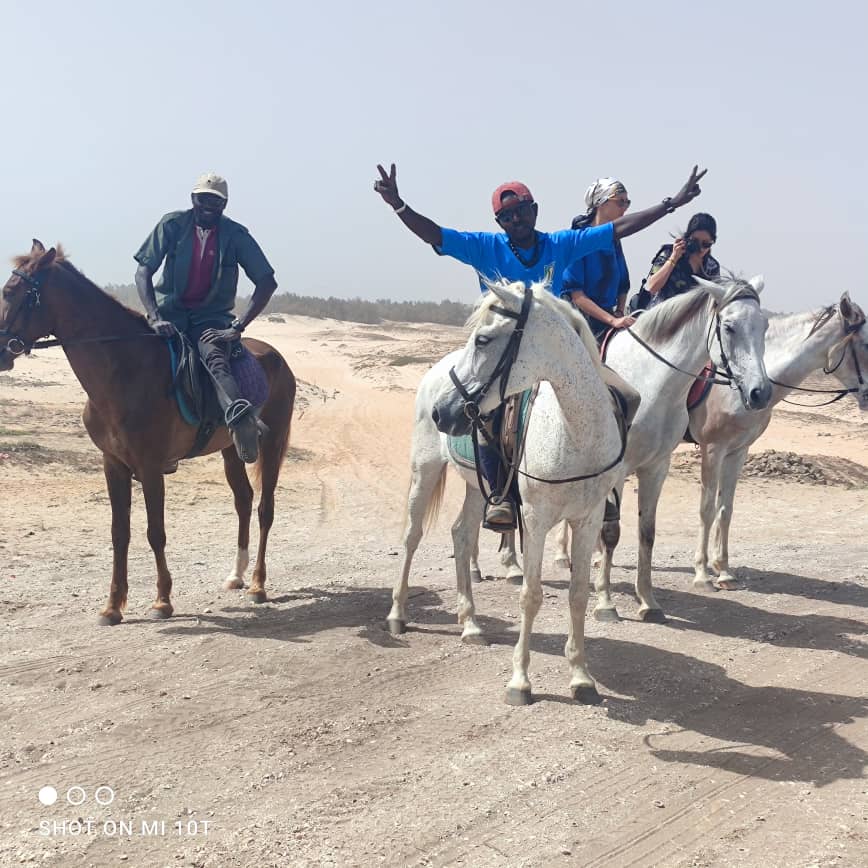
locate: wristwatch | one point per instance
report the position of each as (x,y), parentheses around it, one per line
(236,325)
(667,203)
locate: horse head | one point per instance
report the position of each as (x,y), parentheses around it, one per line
(848,358)
(520,335)
(23,318)
(737,346)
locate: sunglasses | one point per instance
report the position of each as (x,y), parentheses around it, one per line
(210,200)
(522,212)
(705,245)
(623,201)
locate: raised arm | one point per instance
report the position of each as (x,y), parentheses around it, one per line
(632,223)
(426,229)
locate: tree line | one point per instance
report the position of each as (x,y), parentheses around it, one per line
(346,309)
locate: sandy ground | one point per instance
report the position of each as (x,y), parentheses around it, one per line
(298,732)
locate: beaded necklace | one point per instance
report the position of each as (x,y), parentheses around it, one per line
(534,257)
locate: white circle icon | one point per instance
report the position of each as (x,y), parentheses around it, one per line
(104,795)
(48,795)
(76,796)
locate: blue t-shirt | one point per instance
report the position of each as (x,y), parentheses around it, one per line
(490,254)
(601,276)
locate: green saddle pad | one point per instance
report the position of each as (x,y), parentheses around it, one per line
(461,448)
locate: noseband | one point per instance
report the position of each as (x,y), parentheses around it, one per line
(15,344)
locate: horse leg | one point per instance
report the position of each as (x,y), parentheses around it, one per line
(425,481)
(582,686)
(154,490)
(710,477)
(475,572)
(729,476)
(562,540)
(236,476)
(651,481)
(518,690)
(509,560)
(607,542)
(272,450)
(465,535)
(118,483)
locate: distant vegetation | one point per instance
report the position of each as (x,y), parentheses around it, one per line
(346,309)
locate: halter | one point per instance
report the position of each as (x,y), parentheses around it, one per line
(744,292)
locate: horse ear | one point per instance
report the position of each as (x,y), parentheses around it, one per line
(498,287)
(758,283)
(46,259)
(714,288)
(845,306)
(38,248)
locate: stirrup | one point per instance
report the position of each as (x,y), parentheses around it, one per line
(504,509)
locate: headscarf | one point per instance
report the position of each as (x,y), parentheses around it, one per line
(599,192)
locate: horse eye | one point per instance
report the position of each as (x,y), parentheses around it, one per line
(482,340)
(729,328)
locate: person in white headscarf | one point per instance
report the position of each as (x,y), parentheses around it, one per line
(598,283)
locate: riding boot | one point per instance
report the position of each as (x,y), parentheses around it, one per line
(239,416)
(499,511)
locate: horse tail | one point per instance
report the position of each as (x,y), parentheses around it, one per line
(432,510)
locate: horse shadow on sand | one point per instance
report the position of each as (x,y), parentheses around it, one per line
(296,616)
(721,614)
(771,732)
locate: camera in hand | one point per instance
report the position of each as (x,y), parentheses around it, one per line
(693,246)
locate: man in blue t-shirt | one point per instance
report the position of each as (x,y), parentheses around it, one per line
(521,252)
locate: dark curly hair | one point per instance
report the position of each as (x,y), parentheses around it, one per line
(702,222)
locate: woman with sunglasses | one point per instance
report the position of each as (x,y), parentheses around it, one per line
(674,266)
(598,283)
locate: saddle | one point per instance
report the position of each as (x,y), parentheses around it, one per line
(194,392)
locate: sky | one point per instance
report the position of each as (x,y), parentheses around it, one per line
(113,109)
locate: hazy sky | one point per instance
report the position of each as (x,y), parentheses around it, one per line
(112,110)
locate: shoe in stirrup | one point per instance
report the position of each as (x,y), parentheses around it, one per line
(243,425)
(500,517)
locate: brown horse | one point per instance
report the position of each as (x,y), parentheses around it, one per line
(131,414)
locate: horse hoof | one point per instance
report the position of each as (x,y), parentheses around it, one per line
(704,586)
(396,627)
(563,563)
(515,580)
(257,596)
(514,696)
(727,585)
(159,614)
(653,616)
(606,614)
(474,639)
(109,619)
(586,694)
(475,576)
(233,584)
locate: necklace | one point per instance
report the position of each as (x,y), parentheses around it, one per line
(535,255)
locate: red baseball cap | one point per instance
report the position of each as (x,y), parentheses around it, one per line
(511,188)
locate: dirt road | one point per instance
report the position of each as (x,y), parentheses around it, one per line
(299,732)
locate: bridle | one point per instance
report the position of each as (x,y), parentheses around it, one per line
(727,378)
(850,332)
(15,344)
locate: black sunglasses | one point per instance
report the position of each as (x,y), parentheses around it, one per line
(510,215)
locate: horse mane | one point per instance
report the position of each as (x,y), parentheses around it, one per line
(61,263)
(663,322)
(543,296)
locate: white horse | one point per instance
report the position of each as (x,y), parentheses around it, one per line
(572,432)
(834,339)
(721,322)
